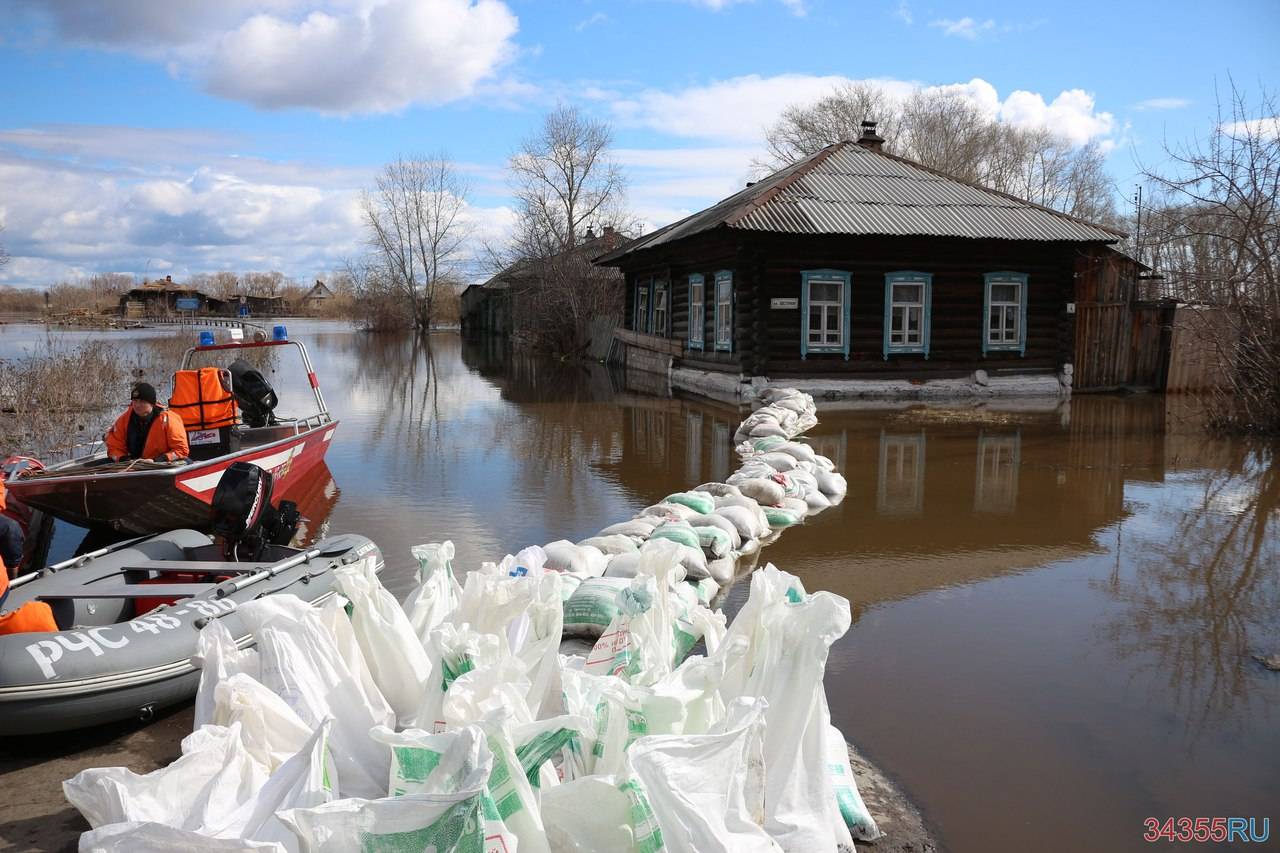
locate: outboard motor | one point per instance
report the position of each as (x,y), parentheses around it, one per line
(253,392)
(244,519)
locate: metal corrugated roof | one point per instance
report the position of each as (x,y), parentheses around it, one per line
(848,189)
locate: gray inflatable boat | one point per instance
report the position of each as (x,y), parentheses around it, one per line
(130,615)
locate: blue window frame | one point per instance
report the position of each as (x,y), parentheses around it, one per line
(661,300)
(697,311)
(642,305)
(1004,309)
(908,297)
(824,312)
(724,311)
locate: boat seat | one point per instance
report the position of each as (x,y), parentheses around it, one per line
(202,567)
(149,590)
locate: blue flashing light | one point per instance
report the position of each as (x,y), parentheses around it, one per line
(206,338)
(280,333)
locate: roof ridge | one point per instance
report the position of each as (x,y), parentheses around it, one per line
(800,169)
(978,186)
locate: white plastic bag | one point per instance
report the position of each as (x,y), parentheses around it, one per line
(334,619)
(270,730)
(705,790)
(438,591)
(199,791)
(425,763)
(395,655)
(301,664)
(596,814)
(564,556)
(218,657)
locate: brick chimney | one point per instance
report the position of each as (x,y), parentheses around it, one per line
(869,138)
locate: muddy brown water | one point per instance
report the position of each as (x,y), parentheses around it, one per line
(1055,609)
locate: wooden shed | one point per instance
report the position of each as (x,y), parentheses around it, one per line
(868,274)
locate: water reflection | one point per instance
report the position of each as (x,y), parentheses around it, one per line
(995,487)
(900,483)
(1203,594)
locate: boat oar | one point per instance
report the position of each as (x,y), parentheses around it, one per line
(74,562)
(231,587)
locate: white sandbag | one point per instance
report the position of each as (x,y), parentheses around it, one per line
(697,501)
(780,518)
(714,541)
(570,582)
(301,664)
(802,452)
(753,446)
(692,560)
(721,569)
(853,810)
(218,657)
(832,484)
(750,469)
(680,532)
(525,562)
(595,814)
(612,545)
(806,480)
(334,620)
(442,823)
(816,501)
(713,519)
(509,787)
(425,763)
(705,788)
(822,463)
(455,650)
(395,655)
(593,606)
(744,520)
(796,506)
(564,556)
(762,491)
(623,565)
(271,731)
(199,791)
(663,512)
(768,428)
(149,837)
(504,686)
(637,528)
(778,461)
(555,750)
(438,591)
(719,490)
(538,648)
(789,635)
(496,602)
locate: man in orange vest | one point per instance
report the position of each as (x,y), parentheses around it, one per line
(147,430)
(10,544)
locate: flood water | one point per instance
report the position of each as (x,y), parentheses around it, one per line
(1054,612)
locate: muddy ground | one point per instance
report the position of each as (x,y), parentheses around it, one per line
(37,817)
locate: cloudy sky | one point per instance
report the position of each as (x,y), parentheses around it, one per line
(184,136)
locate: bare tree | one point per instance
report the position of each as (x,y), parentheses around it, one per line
(1214,233)
(417,229)
(565,181)
(570,195)
(944,130)
(4,254)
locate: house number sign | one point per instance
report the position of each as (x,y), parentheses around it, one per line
(785,303)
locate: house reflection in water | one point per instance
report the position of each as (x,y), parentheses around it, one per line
(995,486)
(900,484)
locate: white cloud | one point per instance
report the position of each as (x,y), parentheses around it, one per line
(1163,104)
(739,110)
(337,56)
(797,7)
(965,28)
(1266,128)
(75,206)
(597,18)
(903,13)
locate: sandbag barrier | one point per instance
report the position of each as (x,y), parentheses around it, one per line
(460,721)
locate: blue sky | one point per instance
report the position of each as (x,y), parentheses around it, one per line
(184,136)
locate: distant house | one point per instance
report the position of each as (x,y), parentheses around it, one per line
(316,298)
(870,274)
(164,297)
(502,305)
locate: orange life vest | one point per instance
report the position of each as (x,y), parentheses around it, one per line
(203,398)
(32,617)
(167,437)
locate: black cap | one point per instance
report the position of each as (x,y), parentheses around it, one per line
(144,391)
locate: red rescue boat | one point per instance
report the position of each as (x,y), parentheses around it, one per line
(149,497)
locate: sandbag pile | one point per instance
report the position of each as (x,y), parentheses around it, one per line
(780,482)
(454,723)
